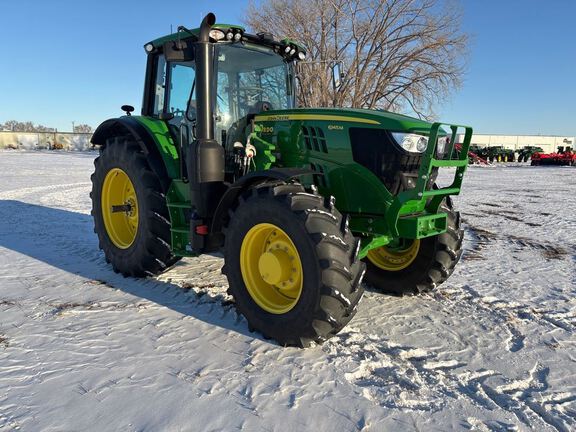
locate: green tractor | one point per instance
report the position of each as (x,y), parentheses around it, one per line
(508,155)
(499,154)
(526,152)
(301,202)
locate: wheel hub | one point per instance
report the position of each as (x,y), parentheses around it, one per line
(271,268)
(394,259)
(275,265)
(119,208)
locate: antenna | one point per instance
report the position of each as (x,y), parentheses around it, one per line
(171,29)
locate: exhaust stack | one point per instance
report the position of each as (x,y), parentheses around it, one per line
(205,160)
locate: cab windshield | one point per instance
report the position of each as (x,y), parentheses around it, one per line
(251,79)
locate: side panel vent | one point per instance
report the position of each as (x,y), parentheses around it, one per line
(314,139)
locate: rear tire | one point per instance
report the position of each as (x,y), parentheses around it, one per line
(145,250)
(436,259)
(327,253)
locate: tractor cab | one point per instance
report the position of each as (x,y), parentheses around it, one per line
(242,75)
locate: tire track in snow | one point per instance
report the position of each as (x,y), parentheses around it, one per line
(467,297)
(404,377)
(482,238)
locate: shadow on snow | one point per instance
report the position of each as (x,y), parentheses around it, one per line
(65,240)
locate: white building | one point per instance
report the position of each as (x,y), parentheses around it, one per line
(44,140)
(548,143)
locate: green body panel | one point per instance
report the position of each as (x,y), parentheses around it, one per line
(376,215)
(178,195)
(342,176)
(159,131)
(178,201)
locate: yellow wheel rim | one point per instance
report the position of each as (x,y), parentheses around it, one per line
(271,268)
(119,208)
(394,260)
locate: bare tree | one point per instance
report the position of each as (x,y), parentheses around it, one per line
(398,55)
(28,126)
(83,128)
(10,125)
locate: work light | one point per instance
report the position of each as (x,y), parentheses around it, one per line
(217,34)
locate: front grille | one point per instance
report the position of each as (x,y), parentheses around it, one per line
(376,150)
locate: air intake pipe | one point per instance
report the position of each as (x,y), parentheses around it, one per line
(205,160)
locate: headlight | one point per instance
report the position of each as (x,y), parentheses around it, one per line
(411,142)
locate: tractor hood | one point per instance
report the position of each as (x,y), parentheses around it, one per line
(349,117)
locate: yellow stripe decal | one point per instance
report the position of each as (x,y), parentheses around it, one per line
(314,117)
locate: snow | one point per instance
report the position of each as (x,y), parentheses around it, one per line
(82,348)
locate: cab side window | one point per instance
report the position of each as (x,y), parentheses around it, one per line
(182,83)
(159,86)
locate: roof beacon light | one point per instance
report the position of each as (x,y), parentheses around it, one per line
(229,35)
(149,48)
(237,36)
(287,49)
(302,55)
(293,51)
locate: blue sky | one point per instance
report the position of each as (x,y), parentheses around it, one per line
(64,61)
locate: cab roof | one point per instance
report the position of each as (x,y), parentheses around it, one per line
(192,34)
(265,39)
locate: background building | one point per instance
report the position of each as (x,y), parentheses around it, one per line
(548,142)
(45,140)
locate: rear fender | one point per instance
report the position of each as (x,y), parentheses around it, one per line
(154,139)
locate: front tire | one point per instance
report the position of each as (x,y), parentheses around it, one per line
(129,209)
(292,264)
(422,265)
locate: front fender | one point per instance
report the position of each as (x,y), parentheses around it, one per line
(247,181)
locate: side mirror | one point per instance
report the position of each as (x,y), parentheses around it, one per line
(178,50)
(128,109)
(337,75)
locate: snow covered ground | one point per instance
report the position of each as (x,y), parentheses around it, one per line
(82,348)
